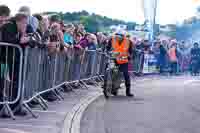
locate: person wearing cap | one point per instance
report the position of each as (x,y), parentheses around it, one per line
(15,32)
(32,21)
(120,43)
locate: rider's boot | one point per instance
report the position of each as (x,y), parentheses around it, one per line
(105,94)
(115,93)
(128,92)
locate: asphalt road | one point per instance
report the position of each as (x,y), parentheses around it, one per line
(161,105)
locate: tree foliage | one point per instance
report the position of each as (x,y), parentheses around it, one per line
(92,22)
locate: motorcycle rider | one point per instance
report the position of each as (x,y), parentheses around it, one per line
(120,43)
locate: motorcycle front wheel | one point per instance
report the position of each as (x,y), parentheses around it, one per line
(108,85)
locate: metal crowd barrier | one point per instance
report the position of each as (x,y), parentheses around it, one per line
(45,72)
(31,73)
(11,58)
(27,74)
(91,66)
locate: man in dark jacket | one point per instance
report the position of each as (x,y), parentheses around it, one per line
(162,58)
(4,17)
(14,32)
(195,59)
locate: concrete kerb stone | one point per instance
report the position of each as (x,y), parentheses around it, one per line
(73,118)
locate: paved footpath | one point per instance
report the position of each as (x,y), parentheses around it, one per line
(161,105)
(50,121)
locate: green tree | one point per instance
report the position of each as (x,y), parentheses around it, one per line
(92,22)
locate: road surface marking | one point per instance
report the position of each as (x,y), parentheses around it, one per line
(28,125)
(46,111)
(14,130)
(190,81)
(73,119)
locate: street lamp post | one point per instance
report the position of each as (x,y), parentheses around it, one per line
(154,19)
(150,10)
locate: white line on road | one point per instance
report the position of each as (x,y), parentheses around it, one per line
(190,81)
(144,80)
(13,130)
(26,125)
(47,111)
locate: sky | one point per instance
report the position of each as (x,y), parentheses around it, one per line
(168,11)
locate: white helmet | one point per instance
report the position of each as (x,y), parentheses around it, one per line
(121,32)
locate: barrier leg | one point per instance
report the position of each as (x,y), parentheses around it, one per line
(55,93)
(62,89)
(59,93)
(66,88)
(2,110)
(100,78)
(70,87)
(84,84)
(44,102)
(95,82)
(10,111)
(81,85)
(41,103)
(30,110)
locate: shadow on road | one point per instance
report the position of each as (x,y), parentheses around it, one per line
(125,98)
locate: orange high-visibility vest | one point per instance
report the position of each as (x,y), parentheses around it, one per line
(122,49)
(172,55)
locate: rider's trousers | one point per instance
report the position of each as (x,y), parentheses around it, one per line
(124,69)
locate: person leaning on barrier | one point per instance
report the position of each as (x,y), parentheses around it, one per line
(83,43)
(55,39)
(4,17)
(77,38)
(32,21)
(68,34)
(120,43)
(102,41)
(15,32)
(43,29)
(92,42)
(56,35)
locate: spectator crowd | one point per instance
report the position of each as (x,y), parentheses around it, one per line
(27,29)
